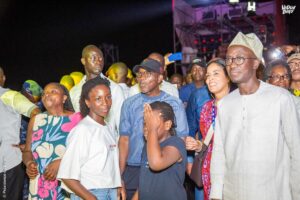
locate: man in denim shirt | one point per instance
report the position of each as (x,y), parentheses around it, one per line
(196,101)
(149,76)
(198,71)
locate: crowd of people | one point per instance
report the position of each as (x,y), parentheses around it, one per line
(119,136)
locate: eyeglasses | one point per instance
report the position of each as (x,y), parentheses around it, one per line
(294,64)
(238,60)
(145,74)
(277,78)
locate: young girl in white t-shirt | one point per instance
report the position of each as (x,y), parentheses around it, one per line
(90,165)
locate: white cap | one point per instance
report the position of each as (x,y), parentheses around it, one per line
(251,41)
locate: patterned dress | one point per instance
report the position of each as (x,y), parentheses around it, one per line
(48,144)
(206,119)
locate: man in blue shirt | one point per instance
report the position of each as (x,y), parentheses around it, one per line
(195,98)
(149,76)
(195,103)
(198,71)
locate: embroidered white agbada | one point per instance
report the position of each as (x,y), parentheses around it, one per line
(256,151)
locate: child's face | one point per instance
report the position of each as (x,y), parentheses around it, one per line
(99,101)
(163,127)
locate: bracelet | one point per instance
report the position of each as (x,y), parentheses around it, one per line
(199,143)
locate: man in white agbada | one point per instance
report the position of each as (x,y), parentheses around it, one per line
(256,153)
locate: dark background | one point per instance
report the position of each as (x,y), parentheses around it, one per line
(42,40)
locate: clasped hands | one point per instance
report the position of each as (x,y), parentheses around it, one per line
(192,144)
(50,172)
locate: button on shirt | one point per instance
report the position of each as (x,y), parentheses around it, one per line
(132,122)
(256,152)
(113,117)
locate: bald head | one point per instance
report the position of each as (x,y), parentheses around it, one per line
(87,49)
(118,72)
(158,57)
(2,77)
(92,60)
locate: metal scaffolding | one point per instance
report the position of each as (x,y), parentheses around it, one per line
(204,31)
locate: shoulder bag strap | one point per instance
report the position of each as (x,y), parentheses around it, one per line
(209,135)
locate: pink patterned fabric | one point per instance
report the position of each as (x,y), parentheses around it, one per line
(205,123)
(48,144)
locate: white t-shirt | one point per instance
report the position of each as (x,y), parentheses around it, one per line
(92,156)
(117,94)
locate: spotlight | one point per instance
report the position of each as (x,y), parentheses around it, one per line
(234,1)
(277,54)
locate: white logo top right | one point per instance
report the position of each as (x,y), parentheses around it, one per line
(287,9)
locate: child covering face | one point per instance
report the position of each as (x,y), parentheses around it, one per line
(164,156)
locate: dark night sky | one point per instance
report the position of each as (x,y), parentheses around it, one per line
(43,40)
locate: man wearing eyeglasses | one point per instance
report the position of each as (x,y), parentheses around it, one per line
(149,76)
(294,63)
(257,135)
(165,85)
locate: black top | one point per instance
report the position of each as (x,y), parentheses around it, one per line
(168,183)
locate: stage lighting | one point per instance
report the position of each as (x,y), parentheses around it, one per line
(276,54)
(251,6)
(234,1)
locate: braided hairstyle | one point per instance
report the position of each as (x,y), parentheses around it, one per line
(167,113)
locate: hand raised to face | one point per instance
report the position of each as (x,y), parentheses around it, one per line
(152,119)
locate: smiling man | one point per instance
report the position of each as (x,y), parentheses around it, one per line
(149,77)
(257,141)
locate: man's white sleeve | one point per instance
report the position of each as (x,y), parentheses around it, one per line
(291,128)
(217,167)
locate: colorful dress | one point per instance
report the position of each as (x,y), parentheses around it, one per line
(49,144)
(207,117)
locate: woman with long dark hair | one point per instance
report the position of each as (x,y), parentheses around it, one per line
(218,84)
